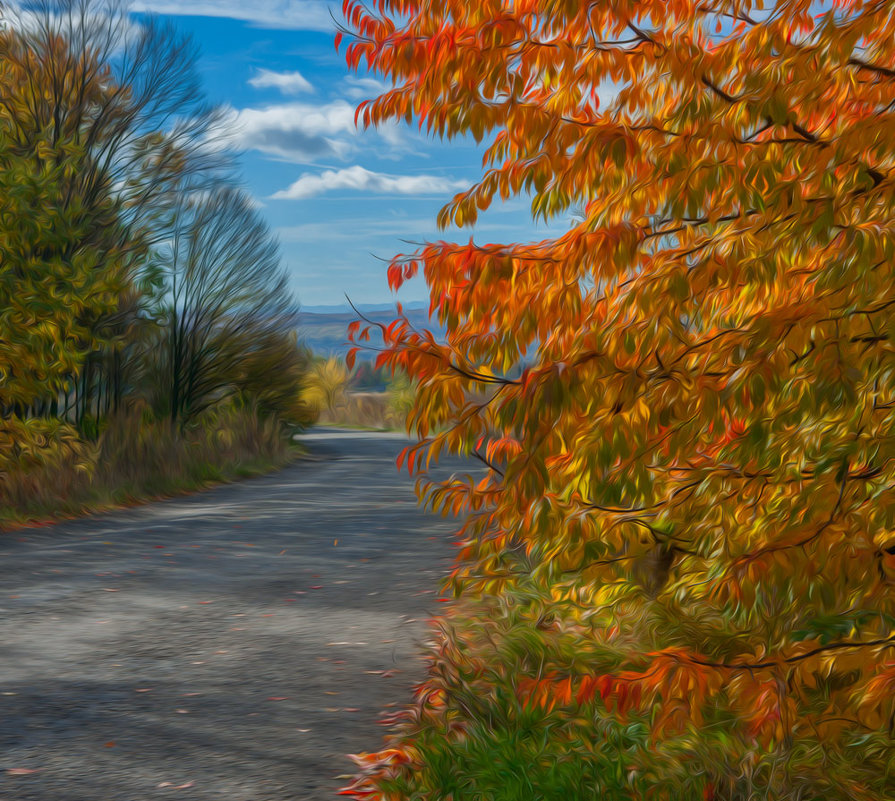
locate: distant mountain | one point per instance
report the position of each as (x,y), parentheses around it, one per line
(326,332)
(364,307)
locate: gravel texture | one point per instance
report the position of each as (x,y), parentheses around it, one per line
(234,644)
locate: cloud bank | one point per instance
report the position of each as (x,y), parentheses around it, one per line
(298,132)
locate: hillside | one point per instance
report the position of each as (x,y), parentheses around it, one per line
(325,329)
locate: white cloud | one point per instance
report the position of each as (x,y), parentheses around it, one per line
(289,83)
(364,88)
(305,132)
(104,24)
(293,131)
(359,179)
(299,15)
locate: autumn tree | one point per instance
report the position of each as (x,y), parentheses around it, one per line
(683,404)
(326,384)
(100,120)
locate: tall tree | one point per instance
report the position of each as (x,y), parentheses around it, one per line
(694,471)
(100,119)
(223,296)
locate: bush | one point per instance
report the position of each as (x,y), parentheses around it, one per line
(495,720)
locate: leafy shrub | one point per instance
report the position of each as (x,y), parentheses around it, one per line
(518,705)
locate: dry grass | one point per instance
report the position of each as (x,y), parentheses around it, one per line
(137,458)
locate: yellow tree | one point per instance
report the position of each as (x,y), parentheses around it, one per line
(101,121)
(684,403)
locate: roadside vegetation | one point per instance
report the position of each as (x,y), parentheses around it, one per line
(359,397)
(147,339)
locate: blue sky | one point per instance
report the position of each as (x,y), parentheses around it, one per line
(341,202)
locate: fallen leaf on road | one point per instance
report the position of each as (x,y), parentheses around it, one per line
(317,587)
(110,744)
(330,692)
(278,698)
(282,552)
(144,690)
(110,589)
(21,771)
(183,711)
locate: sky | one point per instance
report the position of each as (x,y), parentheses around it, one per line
(342,202)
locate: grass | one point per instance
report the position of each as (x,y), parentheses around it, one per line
(137,459)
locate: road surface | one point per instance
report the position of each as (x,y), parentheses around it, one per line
(233,644)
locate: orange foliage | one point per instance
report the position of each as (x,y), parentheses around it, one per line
(685,402)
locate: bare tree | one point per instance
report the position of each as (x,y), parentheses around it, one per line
(224,295)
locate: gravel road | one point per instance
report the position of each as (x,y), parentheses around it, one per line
(234,644)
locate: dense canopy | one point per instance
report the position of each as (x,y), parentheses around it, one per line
(685,402)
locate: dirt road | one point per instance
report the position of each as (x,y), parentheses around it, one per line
(233,644)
